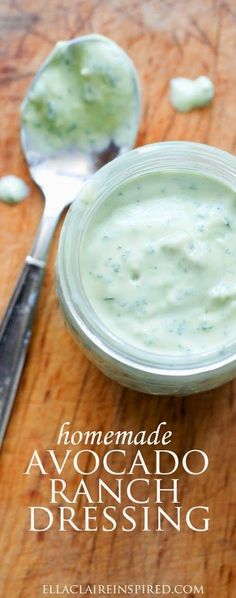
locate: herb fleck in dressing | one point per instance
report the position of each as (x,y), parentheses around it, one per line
(86,95)
(158,263)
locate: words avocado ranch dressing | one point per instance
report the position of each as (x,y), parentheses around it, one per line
(85,95)
(158,263)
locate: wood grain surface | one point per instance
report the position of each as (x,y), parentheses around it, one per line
(165,38)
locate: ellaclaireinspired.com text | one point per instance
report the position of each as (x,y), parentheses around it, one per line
(123,589)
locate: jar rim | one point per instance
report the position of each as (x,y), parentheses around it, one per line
(163,156)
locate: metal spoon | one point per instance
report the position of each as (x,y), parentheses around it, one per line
(60,175)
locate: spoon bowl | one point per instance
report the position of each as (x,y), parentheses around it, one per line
(61,156)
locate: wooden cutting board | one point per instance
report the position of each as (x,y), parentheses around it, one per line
(165,39)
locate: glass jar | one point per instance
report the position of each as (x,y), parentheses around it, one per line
(145,371)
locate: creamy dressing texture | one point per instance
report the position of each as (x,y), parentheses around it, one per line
(86,95)
(13,189)
(187,94)
(158,263)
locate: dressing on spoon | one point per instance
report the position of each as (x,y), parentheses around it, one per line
(85,97)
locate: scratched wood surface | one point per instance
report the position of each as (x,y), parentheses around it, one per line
(164,38)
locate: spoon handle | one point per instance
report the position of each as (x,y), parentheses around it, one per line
(15,334)
(16,326)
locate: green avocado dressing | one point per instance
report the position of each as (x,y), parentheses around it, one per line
(158,263)
(13,189)
(85,96)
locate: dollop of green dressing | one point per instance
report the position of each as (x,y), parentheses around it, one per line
(13,189)
(187,94)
